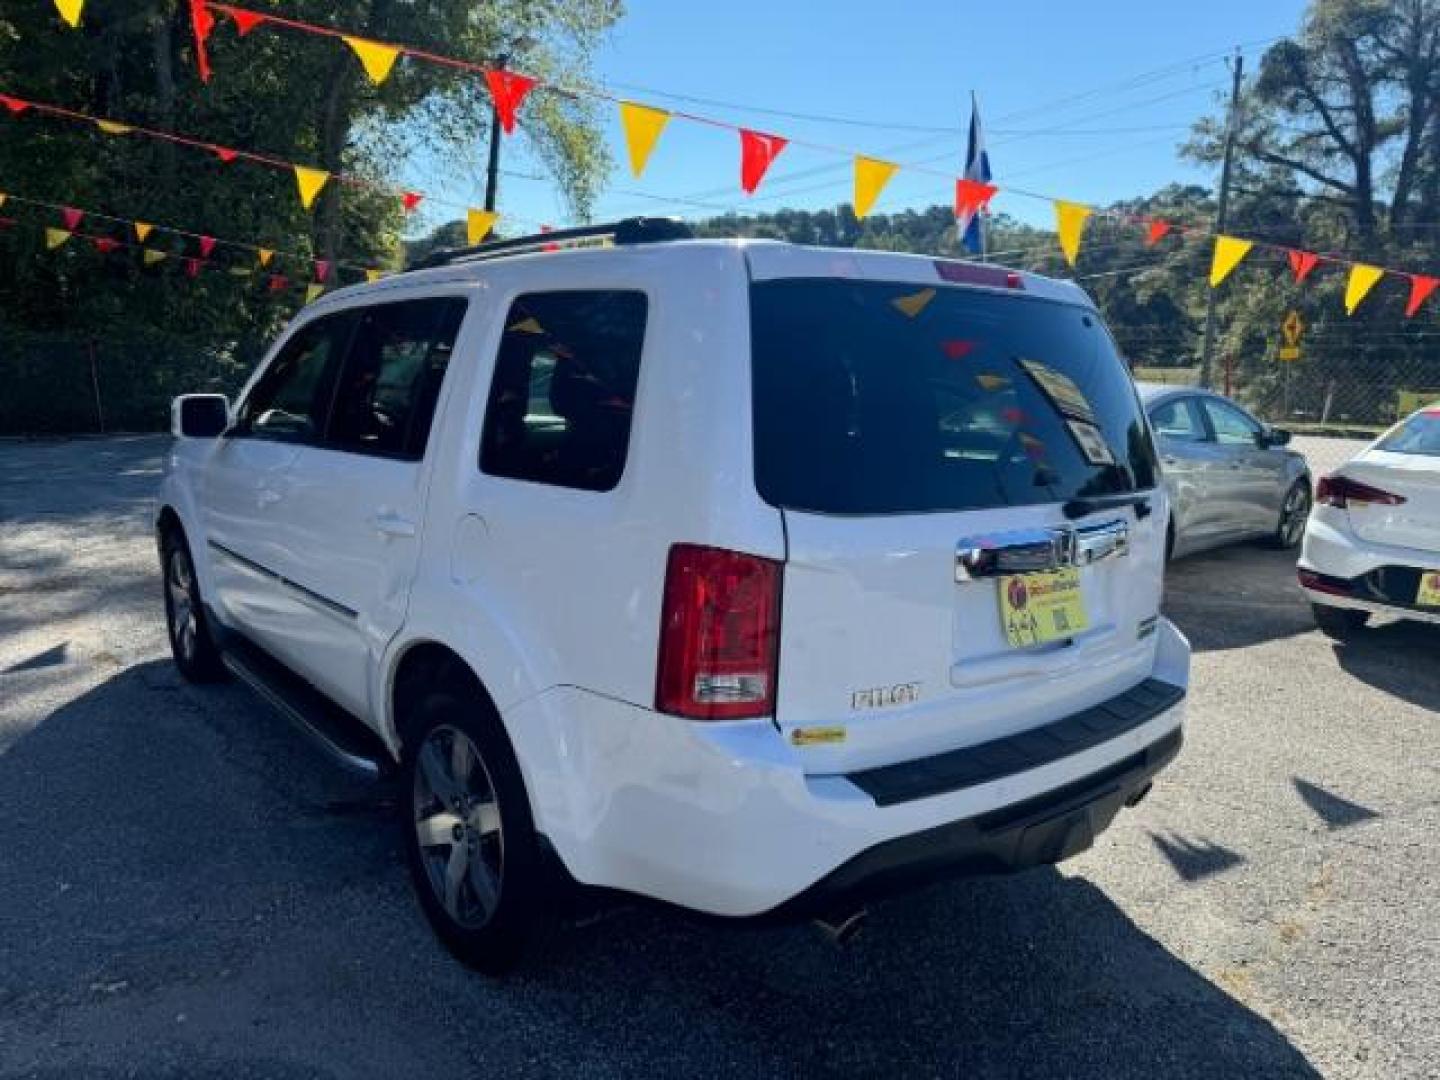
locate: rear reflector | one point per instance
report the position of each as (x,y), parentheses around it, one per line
(1322,584)
(719,628)
(1341,491)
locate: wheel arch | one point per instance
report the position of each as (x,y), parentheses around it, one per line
(412,662)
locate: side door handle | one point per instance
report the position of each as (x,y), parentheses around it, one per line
(390,524)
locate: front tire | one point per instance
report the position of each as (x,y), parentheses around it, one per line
(191,643)
(1294,513)
(470,842)
(1339,624)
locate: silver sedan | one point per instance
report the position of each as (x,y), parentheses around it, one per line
(1229,476)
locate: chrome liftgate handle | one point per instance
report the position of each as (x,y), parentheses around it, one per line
(1030,551)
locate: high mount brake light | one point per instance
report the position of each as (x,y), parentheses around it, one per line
(719,630)
(1341,491)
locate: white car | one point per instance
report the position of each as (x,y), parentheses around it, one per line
(748,577)
(1372,546)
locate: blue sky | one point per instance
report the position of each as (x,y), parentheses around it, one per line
(1086,101)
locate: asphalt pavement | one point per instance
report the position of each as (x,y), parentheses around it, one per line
(187,889)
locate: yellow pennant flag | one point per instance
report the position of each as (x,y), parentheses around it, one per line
(1229,250)
(373,276)
(70,10)
(1362,279)
(643,126)
(55,238)
(378,59)
(310,182)
(1070,221)
(478,224)
(912,304)
(110,127)
(871,176)
(3,197)
(143,229)
(313,293)
(153,257)
(265,255)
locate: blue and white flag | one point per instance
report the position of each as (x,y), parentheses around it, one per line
(971,226)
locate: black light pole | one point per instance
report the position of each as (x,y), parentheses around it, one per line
(492,172)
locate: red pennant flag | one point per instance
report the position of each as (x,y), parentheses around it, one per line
(201,22)
(957,349)
(14,104)
(1158,231)
(757,152)
(71,217)
(1301,263)
(972,196)
(207,245)
(104,244)
(245,21)
(508,90)
(410,200)
(322,269)
(279,283)
(192,268)
(225,154)
(1421,287)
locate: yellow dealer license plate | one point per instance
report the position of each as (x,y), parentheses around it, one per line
(1429,594)
(1039,608)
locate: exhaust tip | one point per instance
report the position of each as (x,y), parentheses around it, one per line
(843,929)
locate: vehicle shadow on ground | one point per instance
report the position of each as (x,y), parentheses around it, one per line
(1236,597)
(1398,658)
(176,852)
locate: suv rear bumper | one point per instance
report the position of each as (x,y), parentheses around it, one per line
(722,818)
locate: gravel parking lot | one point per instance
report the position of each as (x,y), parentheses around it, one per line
(187,889)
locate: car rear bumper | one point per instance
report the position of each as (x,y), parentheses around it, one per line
(722,818)
(1339,569)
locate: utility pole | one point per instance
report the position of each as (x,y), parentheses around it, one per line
(1222,211)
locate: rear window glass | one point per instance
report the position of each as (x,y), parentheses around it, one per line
(875,398)
(1418,435)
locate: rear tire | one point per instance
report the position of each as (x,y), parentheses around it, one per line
(474,857)
(1294,513)
(1339,624)
(191,643)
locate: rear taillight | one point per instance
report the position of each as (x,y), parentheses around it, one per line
(1341,491)
(718,633)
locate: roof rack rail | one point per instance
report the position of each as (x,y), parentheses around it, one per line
(636,230)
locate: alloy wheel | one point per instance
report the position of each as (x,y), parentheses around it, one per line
(180,591)
(457,824)
(1295,514)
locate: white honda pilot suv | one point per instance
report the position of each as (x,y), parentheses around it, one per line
(749,577)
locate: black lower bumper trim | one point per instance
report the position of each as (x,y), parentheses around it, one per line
(1045,829)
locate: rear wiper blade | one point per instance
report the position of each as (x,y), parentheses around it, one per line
(1078,508)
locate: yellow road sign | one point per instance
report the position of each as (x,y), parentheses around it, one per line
(1292,328)
(1289,352)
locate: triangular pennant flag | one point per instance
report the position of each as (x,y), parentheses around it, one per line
(153,257)
(110,127)
(508,90)
(245,21)
(278,283)
(478,224)
(526,326)
(912,304)
(71,217)
(972,196)
(322,269)
(104,244)
(1302,263)
(643,126)
(313,293)
(1363,278)
(1158,231)
(265,255)
(192,268)
(373,276)
(1229,250)
(410,200)
(310,182)
(992,382)
(225,154)
(871,176)
(143,229)
(14,104)
(207,245)
(1421,287)
(201,24)
(1070,221)
(757,152)
(70,10)
(377,59)
(55,238)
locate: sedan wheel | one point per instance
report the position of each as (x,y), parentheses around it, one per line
(1293,516)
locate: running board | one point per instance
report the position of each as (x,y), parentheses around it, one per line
(339,735)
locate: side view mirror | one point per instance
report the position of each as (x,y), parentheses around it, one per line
(1275,437)
(199,416)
